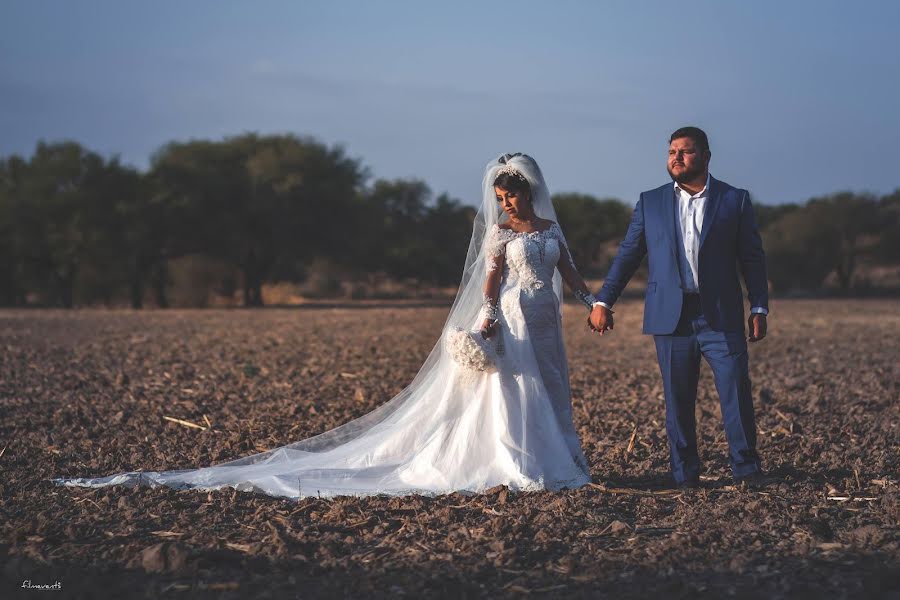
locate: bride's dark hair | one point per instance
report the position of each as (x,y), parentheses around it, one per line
(513,183)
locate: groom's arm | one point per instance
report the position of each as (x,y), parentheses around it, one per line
(631,252)
(752,259)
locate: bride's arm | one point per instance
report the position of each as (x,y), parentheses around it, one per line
(571,275)
(492,282)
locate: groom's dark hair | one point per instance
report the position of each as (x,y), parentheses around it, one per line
(695,133)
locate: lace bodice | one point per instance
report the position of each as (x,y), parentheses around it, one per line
(530,257)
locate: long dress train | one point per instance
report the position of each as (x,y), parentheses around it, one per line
(448,431)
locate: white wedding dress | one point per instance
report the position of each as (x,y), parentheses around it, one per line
(451,429)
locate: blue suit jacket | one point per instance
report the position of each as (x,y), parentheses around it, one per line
(729,240)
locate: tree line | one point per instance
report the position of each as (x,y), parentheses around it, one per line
(80,229)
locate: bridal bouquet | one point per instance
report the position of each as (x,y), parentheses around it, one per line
(469,350)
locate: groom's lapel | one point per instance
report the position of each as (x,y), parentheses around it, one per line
(668,216)
(712,205)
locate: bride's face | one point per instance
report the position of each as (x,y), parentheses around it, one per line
(515,204)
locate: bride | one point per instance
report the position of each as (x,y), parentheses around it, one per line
(491,404)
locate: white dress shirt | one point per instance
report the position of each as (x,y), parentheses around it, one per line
(690,224)
(691,209)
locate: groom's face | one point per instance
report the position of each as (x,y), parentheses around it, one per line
(686,161)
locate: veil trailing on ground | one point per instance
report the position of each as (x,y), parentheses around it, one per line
(329,464)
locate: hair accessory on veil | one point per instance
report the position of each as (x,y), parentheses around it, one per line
(509,170)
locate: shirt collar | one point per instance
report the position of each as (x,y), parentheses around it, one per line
(703,192)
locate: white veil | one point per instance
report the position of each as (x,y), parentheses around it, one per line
(466,307)
(471,289)
(324,458)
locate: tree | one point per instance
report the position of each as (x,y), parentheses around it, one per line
(827,235)
(397,240)
(63,233)
(799,251)
(588,223)
(257,202)
(140,233)
(58,199)
(766,214)
(448,228)
(405,234)
(310,195)
(13,286)
(887,250)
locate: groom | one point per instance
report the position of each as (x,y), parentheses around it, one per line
(697,232)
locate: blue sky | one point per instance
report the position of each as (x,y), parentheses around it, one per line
(799,98)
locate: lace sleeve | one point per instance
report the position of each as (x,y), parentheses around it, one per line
(564,253)
(495,256)
(568,271)
(495,248)
(489,308)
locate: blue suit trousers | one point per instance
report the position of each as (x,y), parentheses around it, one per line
(679,362)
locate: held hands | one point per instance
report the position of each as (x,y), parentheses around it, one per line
(601,319)
(756,325)
(488,328)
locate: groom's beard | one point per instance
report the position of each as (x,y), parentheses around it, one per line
(686,175)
